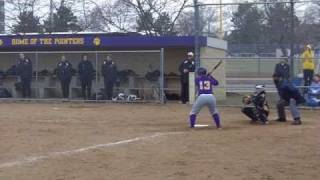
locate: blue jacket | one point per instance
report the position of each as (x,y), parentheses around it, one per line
(24,69)
(109,71)
(288,91)
(86,71)
(281,72)
(190,66)
(64,70)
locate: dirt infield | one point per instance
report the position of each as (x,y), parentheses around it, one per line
(151,142)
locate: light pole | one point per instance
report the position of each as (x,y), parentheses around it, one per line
(51,15)
(196,34)
(292,40)
(221,21)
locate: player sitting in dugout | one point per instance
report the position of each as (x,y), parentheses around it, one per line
(313,97)
(256,106)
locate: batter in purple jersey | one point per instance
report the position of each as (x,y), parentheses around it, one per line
(205,97)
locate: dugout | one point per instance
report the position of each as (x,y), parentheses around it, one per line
(139,58)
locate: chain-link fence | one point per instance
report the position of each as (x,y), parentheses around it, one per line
(140,77)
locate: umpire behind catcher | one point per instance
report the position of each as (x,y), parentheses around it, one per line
(24,72)
(185,67)
(86,75)
(109,73)
(64,73)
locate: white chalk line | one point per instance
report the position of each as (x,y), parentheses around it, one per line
(32,159)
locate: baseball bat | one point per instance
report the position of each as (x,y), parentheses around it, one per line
(215,67)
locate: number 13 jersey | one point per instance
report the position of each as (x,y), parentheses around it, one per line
(205,84)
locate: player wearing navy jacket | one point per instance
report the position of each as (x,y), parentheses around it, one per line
(24,71)
(205,97)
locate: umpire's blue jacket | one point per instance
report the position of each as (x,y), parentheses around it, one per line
(288,91)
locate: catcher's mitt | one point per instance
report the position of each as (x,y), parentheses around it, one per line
(246,99)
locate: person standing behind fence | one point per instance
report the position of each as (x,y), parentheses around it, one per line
(308,65)
(185,67)
(109,73)
(24,72)
(281,72)
(86,75)
(64,73)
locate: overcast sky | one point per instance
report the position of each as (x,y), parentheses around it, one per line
(44,10)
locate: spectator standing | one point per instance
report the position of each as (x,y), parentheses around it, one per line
(308,65)
(186,66)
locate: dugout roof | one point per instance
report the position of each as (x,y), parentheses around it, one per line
(99,41)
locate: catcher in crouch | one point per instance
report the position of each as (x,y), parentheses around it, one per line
(255,106)
(205,83)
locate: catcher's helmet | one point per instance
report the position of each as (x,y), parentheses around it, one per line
(202,71)
(260,88)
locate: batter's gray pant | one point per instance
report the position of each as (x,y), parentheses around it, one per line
(205,100)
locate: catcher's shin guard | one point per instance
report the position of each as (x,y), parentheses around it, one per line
(263,116)
(250,112)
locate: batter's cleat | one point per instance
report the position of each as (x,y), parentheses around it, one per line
(281,120)
(265,122)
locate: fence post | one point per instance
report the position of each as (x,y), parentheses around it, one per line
(97,85)
(292,40)
(161,92)
(259,66)
(197,33)
(37,78)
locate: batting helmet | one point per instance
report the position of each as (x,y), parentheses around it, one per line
(202,71)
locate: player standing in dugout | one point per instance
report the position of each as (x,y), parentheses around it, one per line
(24,72)
(188,65)
(109,73)
(86,75)
(64,73)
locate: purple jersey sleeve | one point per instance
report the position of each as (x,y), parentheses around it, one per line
(214,82)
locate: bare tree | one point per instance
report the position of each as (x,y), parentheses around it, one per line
(150,12)
(208,22)
(142,15)
(19,12)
